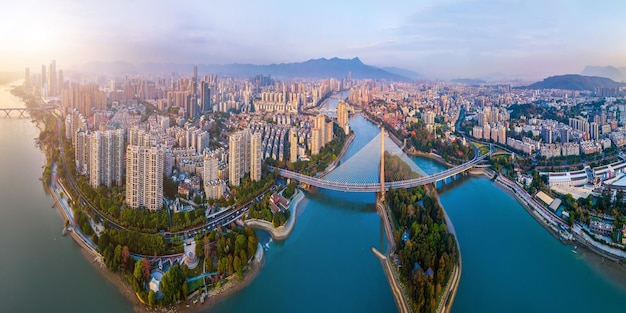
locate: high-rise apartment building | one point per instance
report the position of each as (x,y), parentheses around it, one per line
(52,79)
(244,156)
(44,81)
(320,123)
(210,167)
(237,144)
(255,156)
(342,116)
(144,177)
(106,165)
(27,77)
(205,97)
(214,185)
(293,145)
(594,130)
(82,141)
(315,141)
(328,133)
(429,117)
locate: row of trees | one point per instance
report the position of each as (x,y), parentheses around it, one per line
(248,189)
(141,243)
(429,245)
(110,202)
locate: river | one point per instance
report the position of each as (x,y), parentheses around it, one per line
(510,263)
(326,264)
(40,271)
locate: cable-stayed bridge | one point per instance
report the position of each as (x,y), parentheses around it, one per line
(355,174)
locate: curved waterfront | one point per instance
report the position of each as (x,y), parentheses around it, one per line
(512,264)
(326,263)
(41,270)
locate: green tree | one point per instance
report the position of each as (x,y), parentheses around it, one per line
(138,276)
(117,257)
(172,285)
(152,298)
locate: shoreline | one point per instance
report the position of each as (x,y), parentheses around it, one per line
(95,259)
(453,285)
(282,232)
(214,297)
(118,280)
(594,257)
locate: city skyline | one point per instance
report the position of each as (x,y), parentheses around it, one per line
(445,39)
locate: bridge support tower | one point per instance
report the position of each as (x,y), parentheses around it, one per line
(382,163)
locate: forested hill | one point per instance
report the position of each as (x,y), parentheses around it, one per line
(575,82)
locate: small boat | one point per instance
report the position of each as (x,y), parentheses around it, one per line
(575,251)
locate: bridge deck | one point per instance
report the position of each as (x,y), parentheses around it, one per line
(375,187)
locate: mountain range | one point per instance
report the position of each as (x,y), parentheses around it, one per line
(314,68)
(575,82)
(614,73)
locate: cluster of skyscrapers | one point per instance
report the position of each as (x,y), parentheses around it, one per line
(49,82)
(119,141)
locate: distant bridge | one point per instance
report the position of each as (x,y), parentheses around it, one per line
(22,111)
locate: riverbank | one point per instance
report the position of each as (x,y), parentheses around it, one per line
(334,163)
(433,156)
(89,251)
(524,201)
(215,296)
(453,285)
(281,232)
(581,240)
(233,286)
(391,273)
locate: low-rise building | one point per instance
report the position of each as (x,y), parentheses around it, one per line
(598,226)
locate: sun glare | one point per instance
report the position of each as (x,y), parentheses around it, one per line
(35,40)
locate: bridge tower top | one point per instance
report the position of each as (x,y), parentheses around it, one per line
(382,162)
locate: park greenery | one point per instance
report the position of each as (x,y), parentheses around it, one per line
(261,210)
(226,252)
(429,255)
(223,252)
(110,202)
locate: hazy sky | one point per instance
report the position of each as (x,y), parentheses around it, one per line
(453,38)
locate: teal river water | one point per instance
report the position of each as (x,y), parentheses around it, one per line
(510,263)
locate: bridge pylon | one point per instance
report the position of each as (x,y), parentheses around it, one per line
(382,163)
